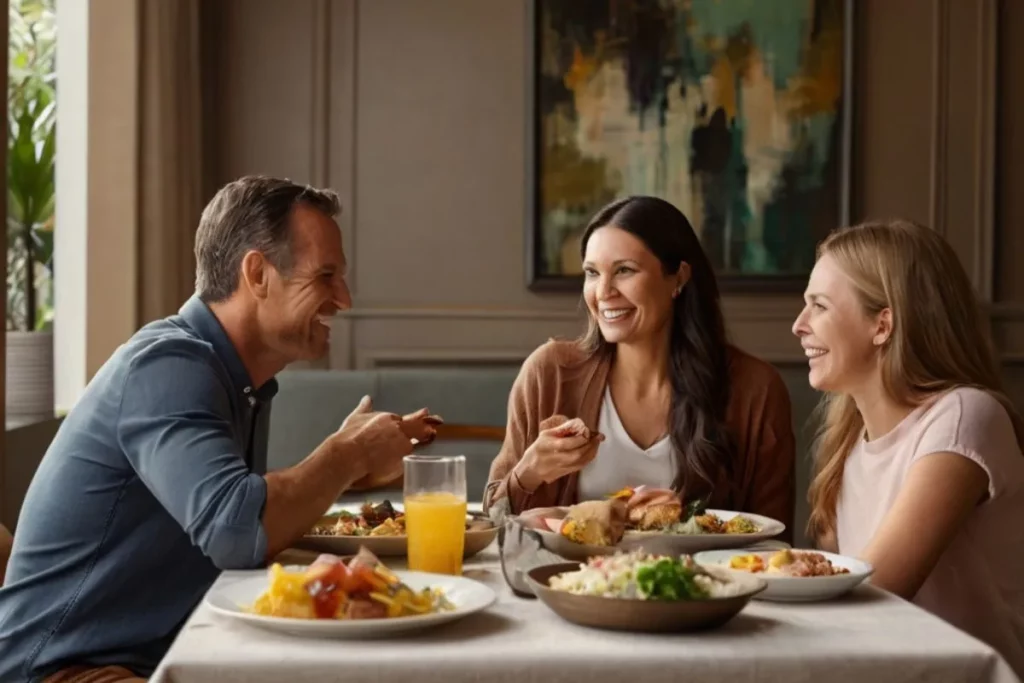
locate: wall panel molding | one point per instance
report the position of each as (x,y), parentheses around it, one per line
(963,155)
(320,107)
(986,159)
(411,312)
(1010,153)
(940,114)
(376,336)
(320,52)
(367,336)
(385,358)
(341,91)
(925,117)
(1007,322)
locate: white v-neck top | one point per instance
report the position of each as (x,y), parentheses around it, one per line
(620,462)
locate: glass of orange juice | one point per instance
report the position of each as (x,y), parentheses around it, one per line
(435,512)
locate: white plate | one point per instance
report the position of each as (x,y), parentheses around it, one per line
(796,588)
(390,546)
(467,595)
(356,508)
(659,543)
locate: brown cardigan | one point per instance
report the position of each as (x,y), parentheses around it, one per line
(560,379)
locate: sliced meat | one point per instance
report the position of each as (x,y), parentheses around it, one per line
(365,609)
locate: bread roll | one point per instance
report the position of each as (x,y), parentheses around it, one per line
(596,522)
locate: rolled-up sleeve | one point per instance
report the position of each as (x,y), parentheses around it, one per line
(175,428)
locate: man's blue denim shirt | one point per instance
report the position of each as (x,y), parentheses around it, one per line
(152,485)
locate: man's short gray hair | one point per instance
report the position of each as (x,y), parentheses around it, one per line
(252,212)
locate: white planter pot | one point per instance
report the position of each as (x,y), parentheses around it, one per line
(29,376)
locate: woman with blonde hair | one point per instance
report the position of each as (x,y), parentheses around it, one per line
(918,466)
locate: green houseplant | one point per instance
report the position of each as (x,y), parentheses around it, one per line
(31,151)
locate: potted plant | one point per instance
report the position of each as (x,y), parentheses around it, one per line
(31,142)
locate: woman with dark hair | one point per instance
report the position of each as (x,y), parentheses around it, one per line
(653,394)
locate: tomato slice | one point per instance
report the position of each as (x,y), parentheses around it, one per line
(362,579)
(326,585)
(331,584)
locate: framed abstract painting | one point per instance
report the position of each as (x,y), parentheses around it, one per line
(736,111)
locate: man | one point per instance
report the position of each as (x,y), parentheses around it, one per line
(148,489)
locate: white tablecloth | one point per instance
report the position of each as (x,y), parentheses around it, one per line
(868,636)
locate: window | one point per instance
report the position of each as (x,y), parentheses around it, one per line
(31,155)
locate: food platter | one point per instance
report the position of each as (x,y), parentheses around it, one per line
(618,606)
(276,601)
(391,540)
(662,542)
(793,575)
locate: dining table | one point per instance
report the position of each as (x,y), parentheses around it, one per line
(868,635)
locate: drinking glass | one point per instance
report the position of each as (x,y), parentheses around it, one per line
(435,512)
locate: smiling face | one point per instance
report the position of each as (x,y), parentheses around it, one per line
(300,304)
(840,338)
(626,288)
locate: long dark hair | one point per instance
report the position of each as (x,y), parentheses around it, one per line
(698,348)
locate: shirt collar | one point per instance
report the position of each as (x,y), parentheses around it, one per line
(199,316)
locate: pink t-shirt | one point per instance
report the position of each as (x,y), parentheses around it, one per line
(978,583)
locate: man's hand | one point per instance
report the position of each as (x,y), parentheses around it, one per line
(375,441)
(421,426)
(365,452)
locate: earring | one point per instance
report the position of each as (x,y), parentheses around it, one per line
(676,293)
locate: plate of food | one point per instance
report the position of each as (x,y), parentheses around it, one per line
(793,575)
(361,597)
(380,528)
(636,591)
(654,520)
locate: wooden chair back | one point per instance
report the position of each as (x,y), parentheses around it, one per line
(6,544)
(447,432)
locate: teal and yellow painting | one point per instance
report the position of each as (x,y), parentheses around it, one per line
(733,110)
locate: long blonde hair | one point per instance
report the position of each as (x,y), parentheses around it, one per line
(939,339)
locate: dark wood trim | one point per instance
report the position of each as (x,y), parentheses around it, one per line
(470,433)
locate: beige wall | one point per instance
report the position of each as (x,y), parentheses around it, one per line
(416,112)
(96,245)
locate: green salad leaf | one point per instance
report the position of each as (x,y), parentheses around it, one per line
(668,579)
(695,508)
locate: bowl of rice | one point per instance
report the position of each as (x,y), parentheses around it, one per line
(640,592)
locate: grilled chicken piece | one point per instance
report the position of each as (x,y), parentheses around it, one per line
(378,514)
(710,523)
(658,516)
(651,508)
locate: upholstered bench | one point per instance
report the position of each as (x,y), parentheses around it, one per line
(473,402)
